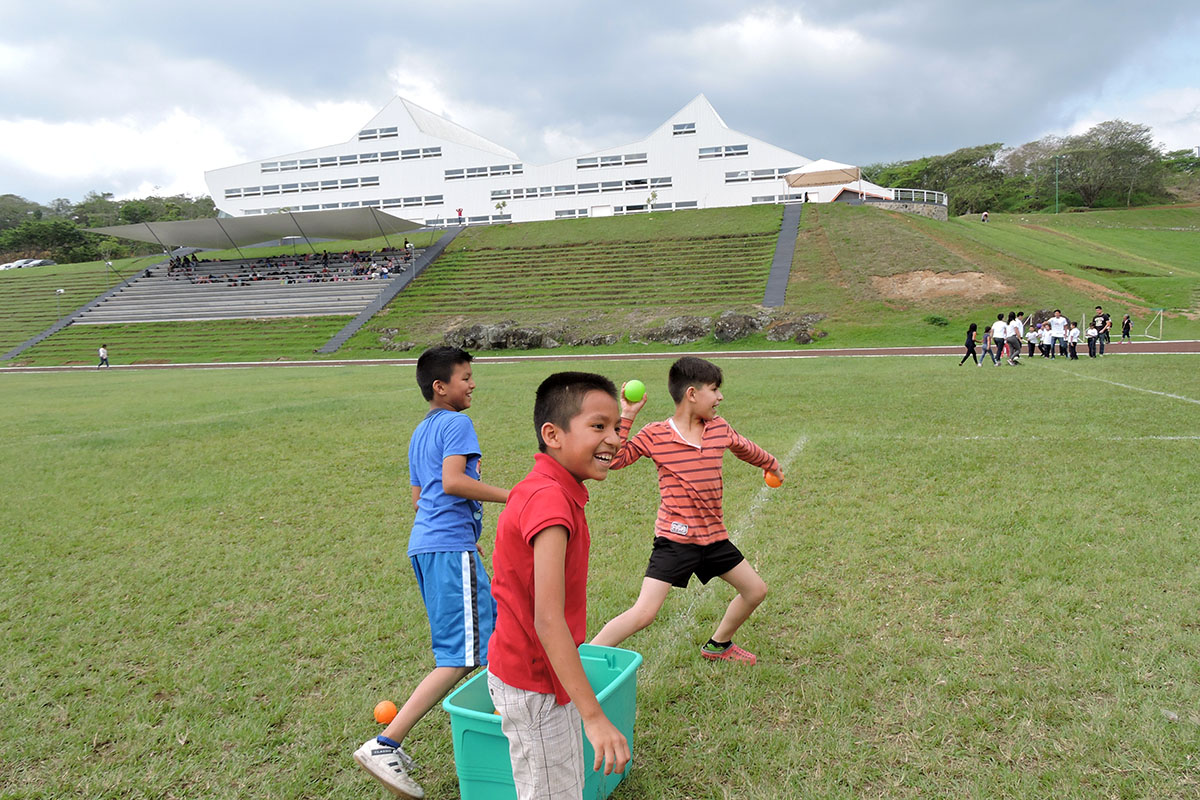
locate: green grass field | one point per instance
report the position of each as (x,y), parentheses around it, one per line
(204,590)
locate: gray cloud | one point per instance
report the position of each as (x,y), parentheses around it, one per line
(859,82)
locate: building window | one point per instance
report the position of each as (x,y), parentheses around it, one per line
(308,163)
(368,158)
(389,155)
(726,151)
(370,133)
(388,133)
(683,128)
(585,163)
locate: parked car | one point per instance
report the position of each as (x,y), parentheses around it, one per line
(40,262)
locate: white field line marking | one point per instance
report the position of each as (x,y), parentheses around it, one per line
(1136,388)
(671,631)
(1035,438)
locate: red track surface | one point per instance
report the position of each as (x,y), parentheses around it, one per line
(1138,348)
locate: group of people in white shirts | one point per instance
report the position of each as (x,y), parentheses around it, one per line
(1054,337)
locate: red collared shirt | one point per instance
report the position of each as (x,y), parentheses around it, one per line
(547,496)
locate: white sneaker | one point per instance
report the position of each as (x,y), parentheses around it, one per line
(389,766)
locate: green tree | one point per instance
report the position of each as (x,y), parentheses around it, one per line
(97,210)
(136,211)
(1113,159)
(15,209)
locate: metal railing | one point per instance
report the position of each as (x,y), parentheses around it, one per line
(918,196)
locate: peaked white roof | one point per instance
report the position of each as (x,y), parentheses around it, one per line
(405,113)
(698,108)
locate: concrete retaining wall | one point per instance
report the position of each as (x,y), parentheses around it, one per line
(931,210)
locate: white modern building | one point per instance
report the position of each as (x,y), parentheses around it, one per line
(414,164)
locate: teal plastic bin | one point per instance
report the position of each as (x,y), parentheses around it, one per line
(481,751)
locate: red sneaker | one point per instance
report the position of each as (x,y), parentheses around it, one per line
(731,653)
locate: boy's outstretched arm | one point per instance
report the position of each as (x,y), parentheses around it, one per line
(550,624)
(754,455)
(455,481)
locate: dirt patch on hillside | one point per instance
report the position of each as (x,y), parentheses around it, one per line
(924,283)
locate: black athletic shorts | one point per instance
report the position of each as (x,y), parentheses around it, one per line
(675,563)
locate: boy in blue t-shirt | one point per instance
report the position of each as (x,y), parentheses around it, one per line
(443,463)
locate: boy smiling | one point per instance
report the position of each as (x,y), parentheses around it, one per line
(536,679)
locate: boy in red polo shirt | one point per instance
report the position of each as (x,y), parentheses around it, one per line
(689,535)
(540,564)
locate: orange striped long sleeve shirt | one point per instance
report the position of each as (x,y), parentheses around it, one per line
(689,477)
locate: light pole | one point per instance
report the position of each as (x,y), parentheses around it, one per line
(58,301)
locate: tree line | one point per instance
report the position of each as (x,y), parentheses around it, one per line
(56,230)
(1113,164)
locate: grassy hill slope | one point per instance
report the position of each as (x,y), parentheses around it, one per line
(879,277)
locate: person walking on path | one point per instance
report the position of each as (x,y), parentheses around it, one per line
(970,345)
(1103,324)
(999,337)
(1073,342)
(1016,329)
(103,353)
(1127,330)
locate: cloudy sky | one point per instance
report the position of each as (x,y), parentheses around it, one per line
(135,97)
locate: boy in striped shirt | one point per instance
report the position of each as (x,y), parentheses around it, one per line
(689,534)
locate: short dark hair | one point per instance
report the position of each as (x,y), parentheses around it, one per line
(691,371)
(437,364)
(560,397)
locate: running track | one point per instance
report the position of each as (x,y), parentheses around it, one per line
(1140,348)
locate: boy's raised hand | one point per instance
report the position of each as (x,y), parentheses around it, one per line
(630,410)
(610,745)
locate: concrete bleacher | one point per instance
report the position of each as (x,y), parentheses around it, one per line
(229,290)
